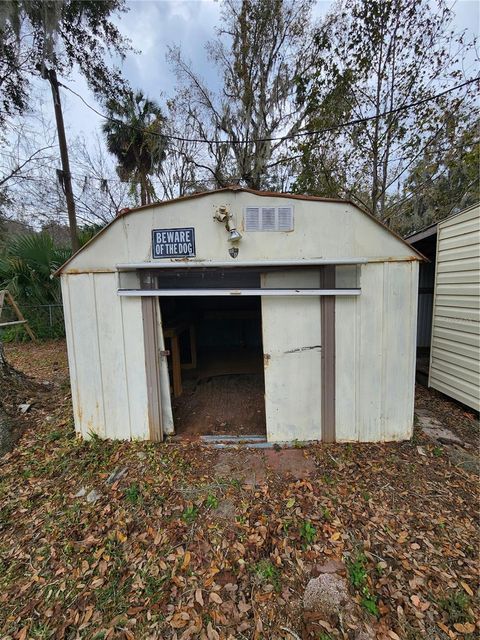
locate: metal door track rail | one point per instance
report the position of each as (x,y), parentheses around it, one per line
(159,293)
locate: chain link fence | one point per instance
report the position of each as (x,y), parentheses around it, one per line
(45,320)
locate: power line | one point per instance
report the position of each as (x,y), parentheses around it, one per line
(291,136)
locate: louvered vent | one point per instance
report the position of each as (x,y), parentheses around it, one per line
(269,219)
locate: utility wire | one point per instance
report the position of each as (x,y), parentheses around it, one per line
(292,136)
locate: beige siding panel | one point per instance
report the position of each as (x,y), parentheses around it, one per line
(464,371)
(456,324)
(456,394)
(134,355)
(292,349)
(454,266)
(458,220)
(455,312)
(468,350)
(472,251)
(89,383)
(459,277)
(458,290)
(455,353)
(457,230)
(468,302)
(456,382)
(454,335)
(462,240)
(457,359)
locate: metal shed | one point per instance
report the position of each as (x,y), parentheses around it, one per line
(314,299)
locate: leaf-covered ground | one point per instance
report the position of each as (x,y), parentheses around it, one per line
(178,544)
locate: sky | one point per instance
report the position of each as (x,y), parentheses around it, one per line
(153,25)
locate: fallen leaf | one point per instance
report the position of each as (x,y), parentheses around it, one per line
(214,597)
(466,627)
(467,588)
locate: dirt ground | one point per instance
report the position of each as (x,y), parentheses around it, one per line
(138,540)
(222,404)
(460,419)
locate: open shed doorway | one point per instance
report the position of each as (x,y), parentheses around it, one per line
(215,364)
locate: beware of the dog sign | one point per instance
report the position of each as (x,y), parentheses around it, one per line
(173,243)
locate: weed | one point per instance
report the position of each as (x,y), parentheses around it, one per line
(189,515)
(328,479)
(456,607)
(113,598)
(132,494)
(366,496)
(357,572)
(369,603)
(308,531)
(326,514)
(266,572)
(235,483)
(40,630)
(286,525)
(153,586)
(438,452)
(53,436)
(211,502)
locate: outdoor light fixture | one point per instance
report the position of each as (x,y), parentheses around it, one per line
(234,235)
(222,214)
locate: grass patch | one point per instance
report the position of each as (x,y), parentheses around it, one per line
(267,573)
(307,532)
(190,514)
(358,576)
(456,607)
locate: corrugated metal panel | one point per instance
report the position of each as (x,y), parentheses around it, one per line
(455,352)
(103,333)
(375,340)
(292,348)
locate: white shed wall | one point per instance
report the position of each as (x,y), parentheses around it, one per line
(455,351)
(106,357)
(321,230)
(375,355)
(292,351)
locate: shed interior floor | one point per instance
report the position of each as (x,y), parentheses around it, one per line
(224,393)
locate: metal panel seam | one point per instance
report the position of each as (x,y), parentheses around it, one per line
(105,430)
(72,342)
(126,370)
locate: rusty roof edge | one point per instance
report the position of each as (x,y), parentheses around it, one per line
(237,189)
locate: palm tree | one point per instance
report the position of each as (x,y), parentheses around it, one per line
(134,137)
(26,266)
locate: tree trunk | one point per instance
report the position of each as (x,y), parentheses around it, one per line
(15,388)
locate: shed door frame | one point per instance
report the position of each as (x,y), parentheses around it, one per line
(326,295)
(152,369)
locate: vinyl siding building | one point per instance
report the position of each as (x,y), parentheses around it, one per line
(455,345)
